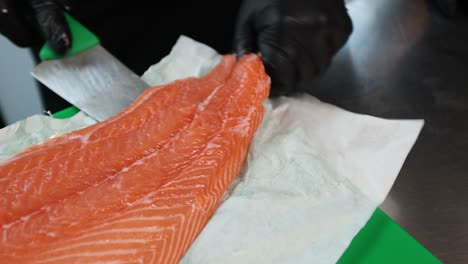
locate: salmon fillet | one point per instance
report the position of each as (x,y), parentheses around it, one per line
(146,206)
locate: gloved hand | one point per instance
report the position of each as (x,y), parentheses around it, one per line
(32,22)
(297,39)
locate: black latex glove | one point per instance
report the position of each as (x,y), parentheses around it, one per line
(29,23)
(297,39)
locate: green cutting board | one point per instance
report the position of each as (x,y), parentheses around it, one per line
(381,241)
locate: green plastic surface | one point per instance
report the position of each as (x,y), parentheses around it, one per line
(381,241)
(66,113)
(82,40)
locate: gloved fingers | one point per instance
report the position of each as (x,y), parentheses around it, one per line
(51,20)
(250,25)
(244,38)
(14,26)
(244,34)
(278,52)
(316,53)
(341,32)
(319,49)
(279,61)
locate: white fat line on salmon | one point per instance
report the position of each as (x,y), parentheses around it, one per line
(155,196)
(98,242)
(193,224)
(88,255)
(183,236)
(153,256)
(117,262)
(136,230)
(152,219)
(202,176)
(177,242)
(243,125)
(169,246)
(195,186)
(47,177)
(163,248)
(205,102)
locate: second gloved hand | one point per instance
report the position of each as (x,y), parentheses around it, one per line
(297,39)
(31,22)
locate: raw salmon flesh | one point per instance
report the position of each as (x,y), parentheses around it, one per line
(140,186)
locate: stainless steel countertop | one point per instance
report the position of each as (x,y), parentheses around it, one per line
(405,60)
